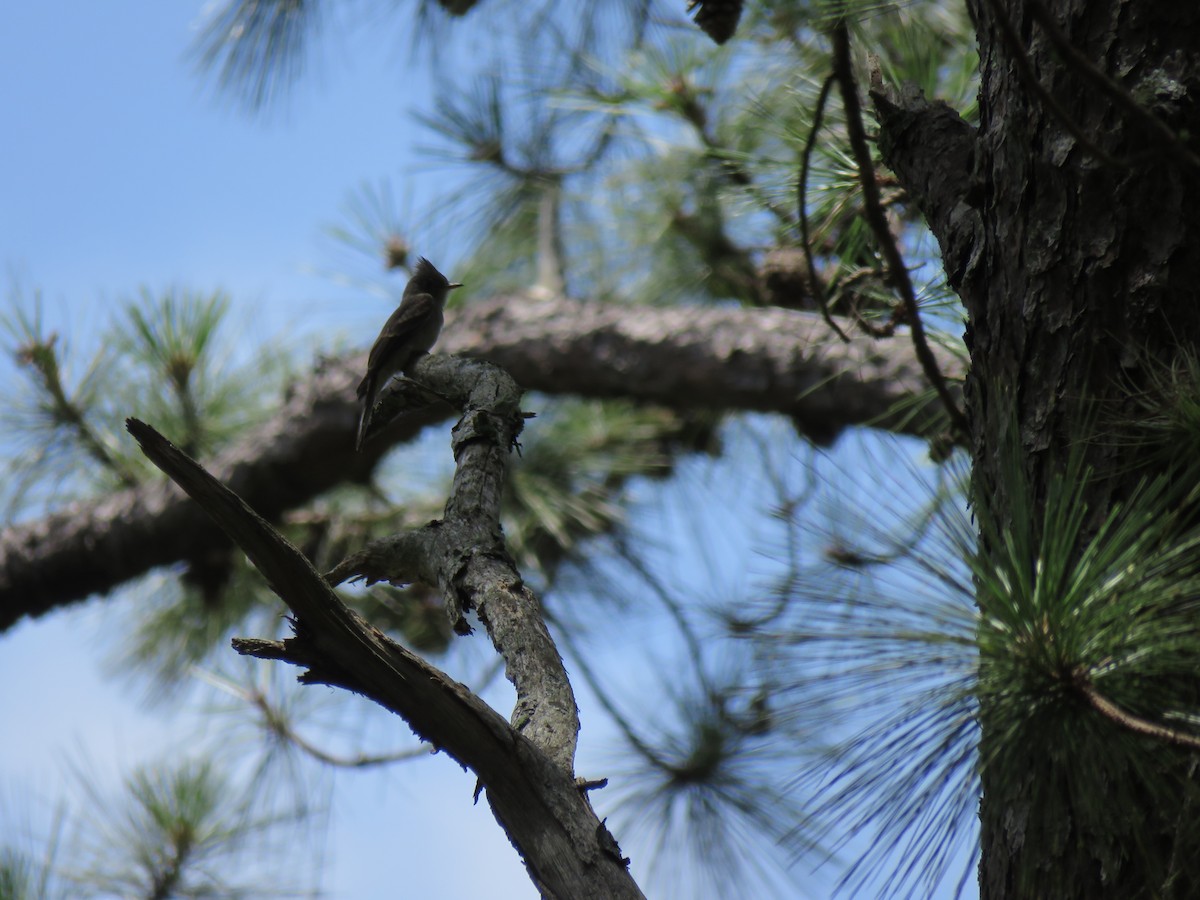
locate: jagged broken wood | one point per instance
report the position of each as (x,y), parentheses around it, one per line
(526,768)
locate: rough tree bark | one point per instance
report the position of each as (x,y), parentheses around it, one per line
(1079,269)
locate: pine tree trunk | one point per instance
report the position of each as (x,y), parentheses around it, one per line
(1079,267)
(1087,274)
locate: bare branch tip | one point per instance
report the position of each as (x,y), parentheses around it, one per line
(586,784)
(260,648)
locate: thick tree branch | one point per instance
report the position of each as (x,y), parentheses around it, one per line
(565,847)
(762,360)
(94,546)
(767,360)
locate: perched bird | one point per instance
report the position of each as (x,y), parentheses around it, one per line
(412,329)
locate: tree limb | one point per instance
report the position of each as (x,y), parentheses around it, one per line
(566,849)
(95,545)
(463,553)
(766,360)
(696,357)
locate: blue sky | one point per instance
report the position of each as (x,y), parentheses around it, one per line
(123,167)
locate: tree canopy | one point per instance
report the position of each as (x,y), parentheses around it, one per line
(783,429)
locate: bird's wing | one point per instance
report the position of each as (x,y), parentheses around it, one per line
(412,313)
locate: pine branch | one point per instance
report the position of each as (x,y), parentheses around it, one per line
(1114,713)
(767,360)
(277,723)
(41,355)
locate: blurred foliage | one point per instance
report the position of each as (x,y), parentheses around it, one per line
(181,831)
(167,357)
(570,480)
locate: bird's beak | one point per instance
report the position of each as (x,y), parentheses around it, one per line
(454,284)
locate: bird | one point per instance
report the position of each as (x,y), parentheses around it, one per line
(408,335)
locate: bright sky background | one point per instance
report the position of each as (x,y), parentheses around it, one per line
(120,168)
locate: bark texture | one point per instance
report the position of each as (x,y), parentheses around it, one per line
(1078,266)
(762,360)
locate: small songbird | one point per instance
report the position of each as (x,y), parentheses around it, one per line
(412,329)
